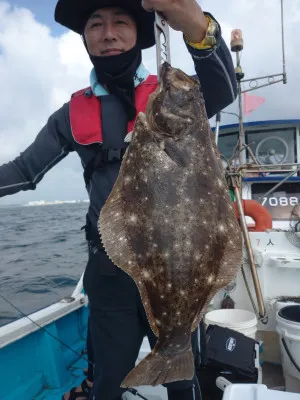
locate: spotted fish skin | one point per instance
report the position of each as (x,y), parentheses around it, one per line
(169,223)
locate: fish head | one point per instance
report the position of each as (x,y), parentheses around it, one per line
(172,107)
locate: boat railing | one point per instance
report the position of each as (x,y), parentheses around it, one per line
(38,320)
(245,169)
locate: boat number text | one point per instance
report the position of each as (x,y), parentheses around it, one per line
(280,201)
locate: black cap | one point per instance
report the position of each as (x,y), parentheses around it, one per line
(73,14)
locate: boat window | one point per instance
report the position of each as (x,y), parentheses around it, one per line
(273,146)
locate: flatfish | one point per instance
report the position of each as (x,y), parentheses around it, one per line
(169,223)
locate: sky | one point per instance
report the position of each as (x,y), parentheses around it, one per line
(42,64)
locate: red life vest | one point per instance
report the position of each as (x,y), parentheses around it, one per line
(85,112)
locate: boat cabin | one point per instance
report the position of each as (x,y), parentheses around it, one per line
(276,145)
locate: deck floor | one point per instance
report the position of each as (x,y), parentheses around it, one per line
(272,377)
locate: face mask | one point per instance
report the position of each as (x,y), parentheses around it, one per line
(117,74)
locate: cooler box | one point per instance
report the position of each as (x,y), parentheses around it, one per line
(228,354)
(256,392)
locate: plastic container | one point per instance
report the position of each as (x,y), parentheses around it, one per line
(288,327)
(279,304)
(256,392)
(239,320)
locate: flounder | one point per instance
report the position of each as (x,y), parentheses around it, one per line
(169,223)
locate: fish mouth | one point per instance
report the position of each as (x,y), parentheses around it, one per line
(170,76)
(165,69)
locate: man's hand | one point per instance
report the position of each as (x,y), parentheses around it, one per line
(182,15)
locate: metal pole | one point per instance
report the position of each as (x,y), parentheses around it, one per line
(259,296)
(242,140)
(271,80)
(237,45)
(283,46)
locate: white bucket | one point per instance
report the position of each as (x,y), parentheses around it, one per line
(288,327)
(239,320)
(279,304)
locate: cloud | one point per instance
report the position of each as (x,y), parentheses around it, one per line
(39,72)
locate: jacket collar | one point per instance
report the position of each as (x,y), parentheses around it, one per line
(98,90)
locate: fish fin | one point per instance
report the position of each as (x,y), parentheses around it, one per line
(119,251)
(114,240)
(157,369)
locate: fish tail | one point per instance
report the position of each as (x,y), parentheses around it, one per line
(158,368)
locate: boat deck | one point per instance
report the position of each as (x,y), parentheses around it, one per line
(272,377)
(36,360)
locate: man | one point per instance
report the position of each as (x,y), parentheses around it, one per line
(94,124)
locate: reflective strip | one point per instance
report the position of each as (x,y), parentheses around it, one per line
(226,74)
(199,342)
(211,54)
(14,185)
(48,166)
(51,164)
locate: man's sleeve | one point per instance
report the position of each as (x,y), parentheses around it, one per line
(216,73)
(49,147)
